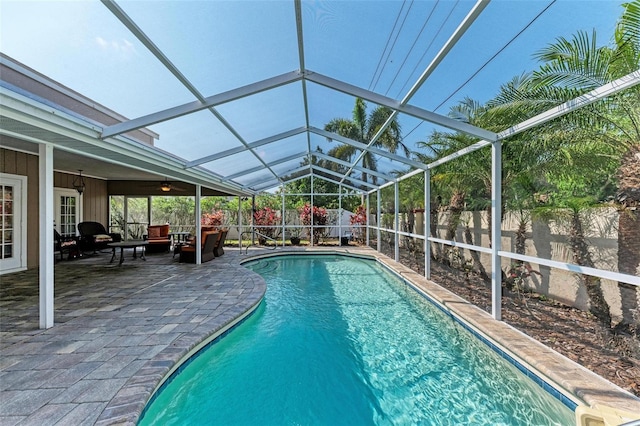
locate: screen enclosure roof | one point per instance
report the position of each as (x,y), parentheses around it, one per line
(242,91)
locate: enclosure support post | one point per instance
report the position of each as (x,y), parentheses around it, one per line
(198,225)
(496,220)
(367,209)
(379,246)
(396,212)
(240,223)
(339,214)
(427,223)
(311,232)
(149,212)
(125,211)
(253,220)
(284,230)
(46,285)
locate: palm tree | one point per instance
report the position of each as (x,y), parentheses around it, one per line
(609,130)
(579,65)
(362,129)
(461,182)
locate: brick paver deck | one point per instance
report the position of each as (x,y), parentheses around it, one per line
(120,330)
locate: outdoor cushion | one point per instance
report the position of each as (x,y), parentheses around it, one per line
(154,232)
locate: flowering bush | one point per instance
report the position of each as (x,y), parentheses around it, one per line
(359,218)
(215,218)
(264,219)
(319,215)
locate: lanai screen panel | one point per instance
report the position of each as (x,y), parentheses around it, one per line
(266,113)
(283,148)
(352,40)
(195,136)
(216,47)
(221,45)
(232,164)
(503,43)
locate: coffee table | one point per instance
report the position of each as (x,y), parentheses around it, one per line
(127,244)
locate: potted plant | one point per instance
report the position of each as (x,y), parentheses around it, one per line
(359,221)
(266,220)
(295,236)
(316,216)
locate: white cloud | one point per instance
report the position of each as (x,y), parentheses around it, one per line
(122,48)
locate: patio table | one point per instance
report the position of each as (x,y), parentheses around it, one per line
(127,244)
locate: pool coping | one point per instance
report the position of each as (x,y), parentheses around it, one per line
(568,381)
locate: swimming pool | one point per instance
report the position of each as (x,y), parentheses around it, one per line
(340,340)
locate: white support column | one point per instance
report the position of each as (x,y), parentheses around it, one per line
(367,206)
(198,225)
(311,231)
(427,224)
(284,229)
(46,258)
(396,208)
(125,209)
(379,202)
(496,225)
(253,220)
(340,215)
(240,223)
(149,212)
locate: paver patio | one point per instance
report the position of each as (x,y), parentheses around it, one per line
(118,332)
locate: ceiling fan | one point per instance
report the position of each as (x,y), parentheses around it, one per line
(167,186)
(164,186)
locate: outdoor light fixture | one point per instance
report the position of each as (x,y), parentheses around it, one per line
(165,186)
(78,183)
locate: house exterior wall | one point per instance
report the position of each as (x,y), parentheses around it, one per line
(95,199)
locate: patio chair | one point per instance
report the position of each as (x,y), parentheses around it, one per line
(158,239)
(218,250)
(209,241)
(65,245)
(94,237)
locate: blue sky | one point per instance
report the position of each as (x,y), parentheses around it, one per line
(222,45)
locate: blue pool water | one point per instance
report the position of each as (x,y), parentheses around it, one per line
(341,341)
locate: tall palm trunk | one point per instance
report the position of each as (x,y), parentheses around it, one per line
(433,228)
(456,207)
(517,271)
(475,256)
(581,256)
(629,236)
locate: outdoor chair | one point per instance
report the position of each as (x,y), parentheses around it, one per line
(93,236)
(158,239)
(64,245)
(209,241)
(218,250)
